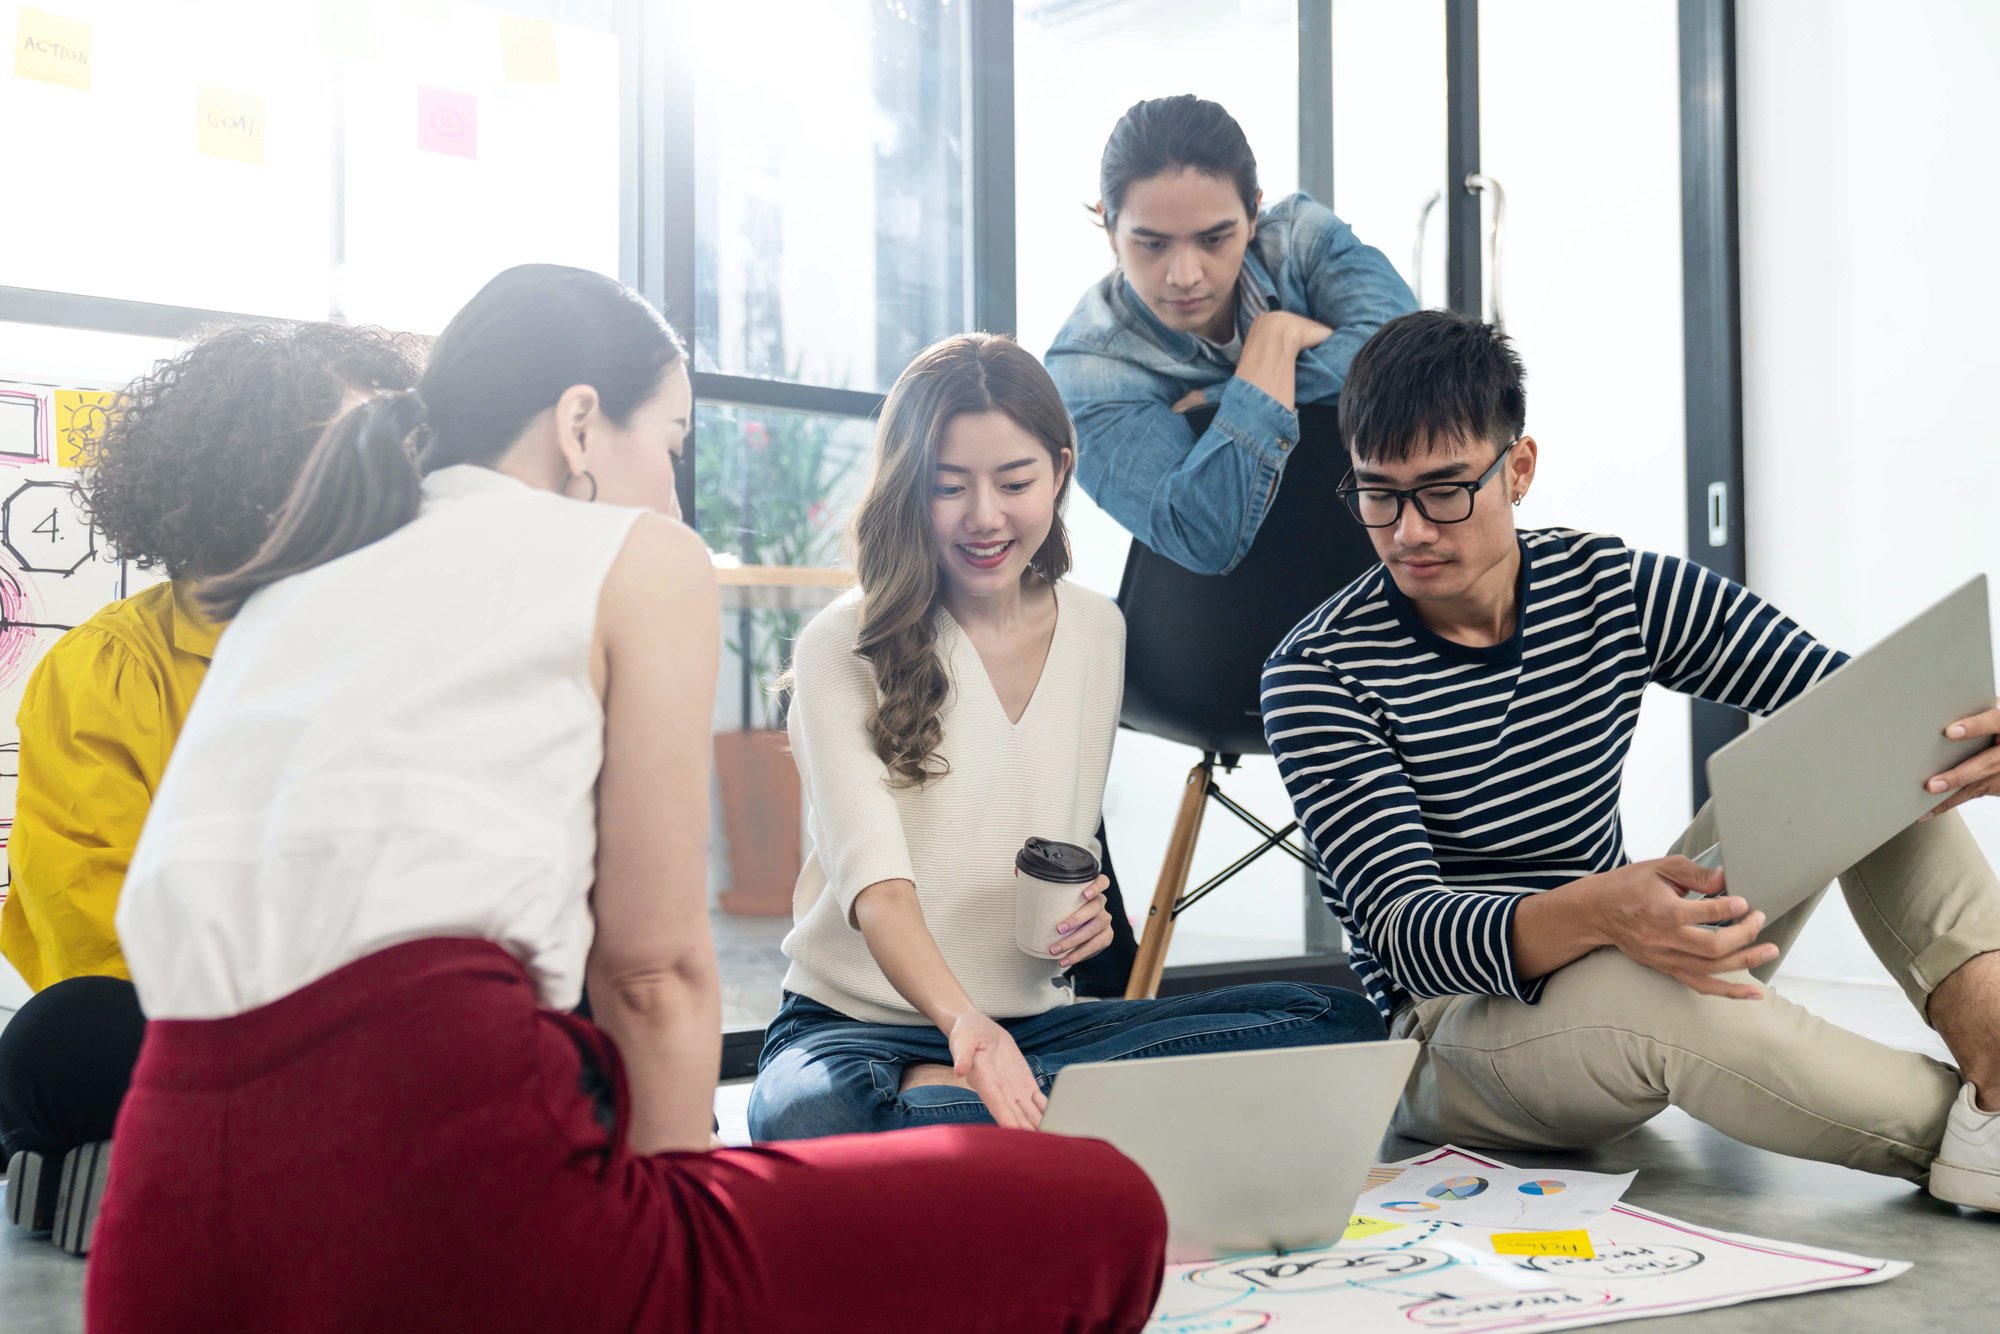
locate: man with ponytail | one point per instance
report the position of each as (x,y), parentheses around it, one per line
(451,760)
(1214,299)
(197,457)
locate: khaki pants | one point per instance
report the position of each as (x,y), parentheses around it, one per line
(1612,1043)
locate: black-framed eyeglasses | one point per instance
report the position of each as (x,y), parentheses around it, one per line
(1438,502)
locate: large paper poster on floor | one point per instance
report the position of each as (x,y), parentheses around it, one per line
(1393,1274)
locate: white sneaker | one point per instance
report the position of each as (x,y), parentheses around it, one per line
(1967,1170)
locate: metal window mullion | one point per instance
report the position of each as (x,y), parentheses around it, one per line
(990,212)
(1316,178)
(1462,225)
(1712,323)
(110,314)
(784,395)
(1316,99)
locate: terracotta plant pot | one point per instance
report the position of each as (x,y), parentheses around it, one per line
(760,817)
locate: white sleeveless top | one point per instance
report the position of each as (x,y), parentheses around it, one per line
(402,743)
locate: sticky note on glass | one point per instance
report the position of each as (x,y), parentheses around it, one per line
(81,416)
(528,50)
(229,124)
(1544,1243)
(1359,1227)
(52,49)
(447,122)
(347,28)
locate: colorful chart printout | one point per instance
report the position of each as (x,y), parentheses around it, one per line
(1433,1275)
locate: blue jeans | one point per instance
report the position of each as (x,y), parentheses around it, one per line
(822,1073)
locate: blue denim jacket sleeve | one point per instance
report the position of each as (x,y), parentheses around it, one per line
(1197,500)
(1350,286)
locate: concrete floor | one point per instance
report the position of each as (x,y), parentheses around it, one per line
(1685,1170)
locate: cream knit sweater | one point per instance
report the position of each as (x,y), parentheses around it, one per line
(955,837)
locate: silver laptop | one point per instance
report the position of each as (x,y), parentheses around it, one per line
(1251,1151)
(1840,770)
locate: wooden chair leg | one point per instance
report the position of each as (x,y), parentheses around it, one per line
(1158,928)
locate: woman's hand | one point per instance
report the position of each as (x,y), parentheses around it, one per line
(984,1055)
(1085,932)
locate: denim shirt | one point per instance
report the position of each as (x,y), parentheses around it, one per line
(1199,502)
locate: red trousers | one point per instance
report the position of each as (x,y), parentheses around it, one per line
(411,1144)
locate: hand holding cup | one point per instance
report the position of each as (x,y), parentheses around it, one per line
(1085,932)
(1058,895)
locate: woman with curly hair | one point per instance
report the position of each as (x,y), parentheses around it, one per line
(197,458)
(960,703)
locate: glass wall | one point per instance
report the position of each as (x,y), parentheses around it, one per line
(370,161)
(829,188)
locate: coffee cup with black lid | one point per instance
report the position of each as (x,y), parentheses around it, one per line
(1050,877)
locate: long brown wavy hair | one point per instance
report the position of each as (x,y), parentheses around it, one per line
(894,548)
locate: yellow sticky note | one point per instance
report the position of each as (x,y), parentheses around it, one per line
(528,50)
(229,124)
(52,48)
(1359,1227)
(1544,1243)
(347,28)
(81,416)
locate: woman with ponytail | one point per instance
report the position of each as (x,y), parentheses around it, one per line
(961,702)
(451,760)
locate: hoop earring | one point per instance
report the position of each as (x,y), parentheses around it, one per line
(586,476)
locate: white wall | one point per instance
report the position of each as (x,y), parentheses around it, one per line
(1870,279)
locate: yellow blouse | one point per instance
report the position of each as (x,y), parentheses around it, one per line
(98,719)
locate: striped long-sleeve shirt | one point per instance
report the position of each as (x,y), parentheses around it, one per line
(1440,782)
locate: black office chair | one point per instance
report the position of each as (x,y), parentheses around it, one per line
(1195,647)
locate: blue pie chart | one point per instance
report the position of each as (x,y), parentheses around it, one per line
(1544,1188)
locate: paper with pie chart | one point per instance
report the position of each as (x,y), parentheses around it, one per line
(1422,1275)
(1439,1187)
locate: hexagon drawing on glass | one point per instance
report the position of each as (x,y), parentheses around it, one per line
(45,530)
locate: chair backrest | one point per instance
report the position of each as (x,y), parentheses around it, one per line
(1195,644)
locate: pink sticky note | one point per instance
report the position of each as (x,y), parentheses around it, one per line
(447,122)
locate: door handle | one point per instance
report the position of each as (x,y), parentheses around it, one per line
(1482,184)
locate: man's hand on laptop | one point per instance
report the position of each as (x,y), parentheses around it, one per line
(1978,776)
(984,1055)
(1664,914)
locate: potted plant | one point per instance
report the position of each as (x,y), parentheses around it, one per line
(761,493)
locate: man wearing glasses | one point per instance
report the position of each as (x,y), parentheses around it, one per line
(1452,728)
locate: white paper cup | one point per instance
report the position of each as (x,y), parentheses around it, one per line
(1049,878)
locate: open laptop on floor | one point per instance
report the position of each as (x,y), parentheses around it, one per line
(1251,1151)
(1840,770)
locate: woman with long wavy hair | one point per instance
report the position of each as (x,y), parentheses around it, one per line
(961,702)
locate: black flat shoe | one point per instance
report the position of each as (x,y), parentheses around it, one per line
(78,1196)
(31,1191)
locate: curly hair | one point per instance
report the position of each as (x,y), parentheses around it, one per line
(198,455)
